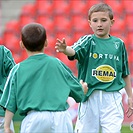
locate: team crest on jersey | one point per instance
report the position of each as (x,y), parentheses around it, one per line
(117,45)
(104,73)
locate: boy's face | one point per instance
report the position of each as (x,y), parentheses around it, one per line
(100,24)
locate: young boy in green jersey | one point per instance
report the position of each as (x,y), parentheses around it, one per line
(103,64)
(39,87)
(6,64)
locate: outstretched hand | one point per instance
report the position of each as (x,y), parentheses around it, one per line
(60,45)
(84,86)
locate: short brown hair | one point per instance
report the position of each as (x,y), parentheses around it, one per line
(33,36)
(101,7)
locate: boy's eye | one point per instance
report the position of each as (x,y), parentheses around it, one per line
(104,20)
(94,20)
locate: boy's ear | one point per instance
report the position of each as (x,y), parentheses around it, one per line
(21,45)
(46,43)
(89,22)
(112,22)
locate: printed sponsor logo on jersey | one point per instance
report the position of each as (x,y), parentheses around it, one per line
(104,73)
(95,56)
(104,56)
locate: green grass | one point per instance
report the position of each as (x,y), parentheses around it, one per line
(125,128)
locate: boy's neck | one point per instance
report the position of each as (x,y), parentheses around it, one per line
(34,53)
(106,37)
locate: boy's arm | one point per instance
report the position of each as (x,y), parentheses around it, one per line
(62,47)
(8,61)
(8,117)
(128,89)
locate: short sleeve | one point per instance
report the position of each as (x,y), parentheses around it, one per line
(125,66)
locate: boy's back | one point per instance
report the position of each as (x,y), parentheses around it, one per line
(46,80)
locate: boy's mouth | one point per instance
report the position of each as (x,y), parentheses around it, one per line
(100,30)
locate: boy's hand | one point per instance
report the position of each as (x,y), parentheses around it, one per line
(129,112)
(60,45)
(8,130)
(84,86)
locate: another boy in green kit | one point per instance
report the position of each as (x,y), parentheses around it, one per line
(6,64)
(103,64)
(39,87)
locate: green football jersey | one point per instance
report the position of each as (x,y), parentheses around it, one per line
(6,64)
(102,63)
(41,83)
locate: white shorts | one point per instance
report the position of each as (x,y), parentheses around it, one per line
(102,111)
(47,122)
(2,125)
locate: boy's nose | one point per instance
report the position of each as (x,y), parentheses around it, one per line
(99,23)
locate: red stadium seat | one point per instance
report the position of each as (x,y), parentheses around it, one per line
(92,2)
(17,56)
(130,48)
(80,23)
(131,56)
(1,40)
(28,9)
(25,19)
(130,39)
(119,24)
(62,23)
(44,7)
(72,66)
(13,26)
(51,41)
(7,35)
(46,21)
(63,58)
(128,6)
(68,37)
(129,22)
(77,35)
(23,55)
(66,61)
(120,34)
(79,7)
(12,43)
(115,33)
(50,51)
(61,35)
(116,6)
(61,7)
